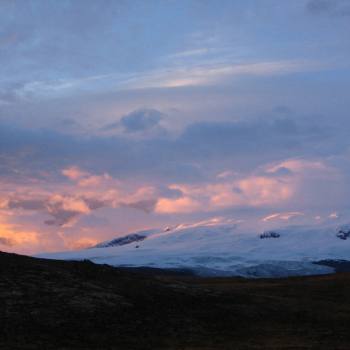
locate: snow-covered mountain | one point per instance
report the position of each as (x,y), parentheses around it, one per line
(224,249)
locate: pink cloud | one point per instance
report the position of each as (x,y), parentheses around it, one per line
(179,205)
(86,179)
(74,173)
(298,165)
(66,203)
(80,243)
(248,191)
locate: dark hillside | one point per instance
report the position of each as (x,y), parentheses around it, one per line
(46,304)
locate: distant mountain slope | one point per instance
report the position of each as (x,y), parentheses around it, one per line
(212,249)
(133,237)
(49,304)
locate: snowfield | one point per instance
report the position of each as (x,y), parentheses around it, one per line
(215,249)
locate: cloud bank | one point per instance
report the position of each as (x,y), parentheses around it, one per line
(134,115)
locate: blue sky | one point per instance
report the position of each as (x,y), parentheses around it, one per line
(124,115)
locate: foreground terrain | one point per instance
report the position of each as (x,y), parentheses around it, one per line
(49,304)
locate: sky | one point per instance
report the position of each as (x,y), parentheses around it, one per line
(118,116)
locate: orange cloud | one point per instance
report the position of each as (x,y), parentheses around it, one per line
(12,235)
(81,243)
(178,205)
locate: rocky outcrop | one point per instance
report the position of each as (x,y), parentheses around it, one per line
(121,241)
(269,234)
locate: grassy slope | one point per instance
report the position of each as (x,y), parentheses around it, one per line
(79,305)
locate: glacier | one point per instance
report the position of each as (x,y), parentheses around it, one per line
(224,249)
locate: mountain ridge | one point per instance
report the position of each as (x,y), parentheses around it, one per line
(216,249)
